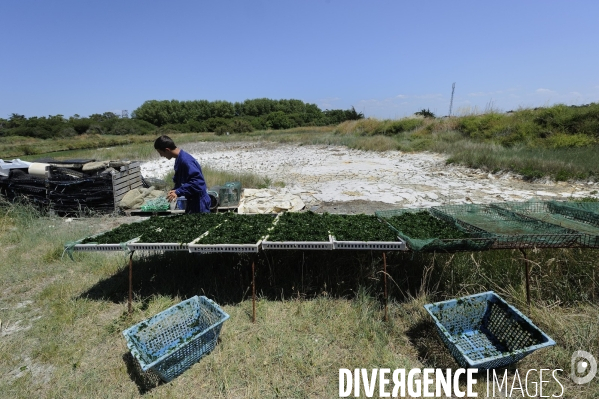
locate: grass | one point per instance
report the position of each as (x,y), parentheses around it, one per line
(318,311)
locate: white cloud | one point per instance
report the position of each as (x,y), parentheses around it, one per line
(545,91)
(429,96)
(401,96)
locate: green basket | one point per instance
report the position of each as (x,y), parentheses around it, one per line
(477,240)
(512,230)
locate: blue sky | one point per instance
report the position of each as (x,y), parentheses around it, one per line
(388,59)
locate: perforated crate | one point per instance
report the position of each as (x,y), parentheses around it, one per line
(123,246)
(212,248)
(158,246)
(304,245)
(398,245)
(175,339)
(483,331)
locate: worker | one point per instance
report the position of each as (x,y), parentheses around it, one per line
(189,179)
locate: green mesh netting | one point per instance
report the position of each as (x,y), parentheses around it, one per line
(424,232)
(511,229)
(156,205)
(589,207)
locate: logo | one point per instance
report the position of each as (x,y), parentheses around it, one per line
(584,367)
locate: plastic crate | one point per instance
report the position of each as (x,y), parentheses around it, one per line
(303,245)
(399,245)
(158,246)
(483,331)
(90,247)
(175,339)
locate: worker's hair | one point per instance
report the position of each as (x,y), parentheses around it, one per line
(164,142)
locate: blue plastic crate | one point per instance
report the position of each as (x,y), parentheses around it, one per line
(175,339)
(485,332)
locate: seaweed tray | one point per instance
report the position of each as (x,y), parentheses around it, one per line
(477,240)
(512,230)
(158,246)
(562,215)
(399,245)
(483,331)
(305,245)
(123,246)
(211,248)
(230,225)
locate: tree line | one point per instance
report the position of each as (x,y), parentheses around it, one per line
(182,116)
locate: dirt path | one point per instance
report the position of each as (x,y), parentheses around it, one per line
(339,177)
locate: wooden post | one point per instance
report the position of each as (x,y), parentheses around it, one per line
(253,293)
(130,282)
(527,271)
(385,280)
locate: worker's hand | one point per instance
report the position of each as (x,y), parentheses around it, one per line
(171,196)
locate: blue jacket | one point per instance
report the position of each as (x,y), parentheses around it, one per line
(190,183)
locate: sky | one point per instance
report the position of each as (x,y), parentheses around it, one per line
(386,58)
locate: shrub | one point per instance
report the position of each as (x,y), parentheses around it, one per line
(279,120)
(425,112)
(391,127)
(241,126)
(561,140)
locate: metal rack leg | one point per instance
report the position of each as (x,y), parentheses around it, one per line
(253,293)
(527,271)
(385,280)
(130,282)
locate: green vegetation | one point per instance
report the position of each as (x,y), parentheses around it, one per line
(306,226)
(239,117)
(57,126)
(422,225)
(174,229)
(239,229)
(360,228)
(165,117)
(560,142)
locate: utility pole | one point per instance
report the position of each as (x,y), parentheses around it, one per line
(451,101)
(125,114)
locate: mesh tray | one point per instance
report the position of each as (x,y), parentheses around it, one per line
(158,246)
(483,331)
(479,240)
(124,246)
(564,216)
(211,248)
(511,230)
(370,245)
(305,245)
(175,339)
